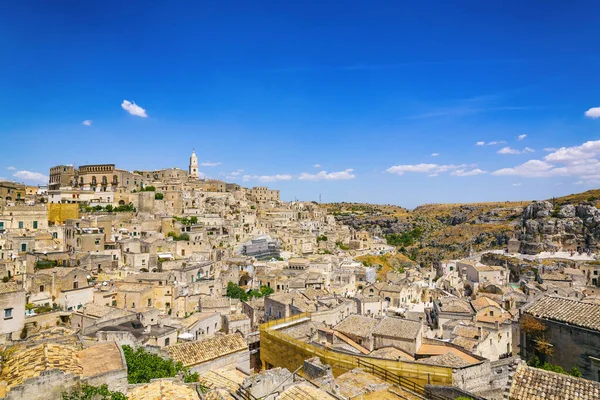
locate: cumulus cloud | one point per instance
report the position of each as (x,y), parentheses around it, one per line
(576,161)
(423,168)
(267,178)
(495,142)
(210,164)
(510,150)
(593,113)
(516,184)
(328,176)
(479,143)
(531,169)
(87,122)
(317,165)
(11,168)
(463,172)
(435,154)
(133,109)
(521,137)
(29,176)
(550,149)
(588,150)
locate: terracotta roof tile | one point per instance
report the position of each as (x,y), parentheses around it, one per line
(534,383)
(193,353)
(573,312)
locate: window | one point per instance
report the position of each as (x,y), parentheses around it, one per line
(114,303)
(167,341)
(35,225)
(97,242)
(41,288)
(20,224)
(75,285)
(23,247)
(1,225)
(491,313)
(8,313)
(149,302)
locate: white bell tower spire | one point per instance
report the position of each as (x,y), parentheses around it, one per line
(193,170)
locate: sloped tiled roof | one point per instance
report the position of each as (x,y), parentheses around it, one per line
(192,353)
(534,383)
(9,287)
(357,325)
(483,302)
(305,392)
(448,359)
(162,389)
(100,359)
(398,328)
(573,312)
(25,363)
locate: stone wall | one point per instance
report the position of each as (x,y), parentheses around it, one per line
(573,346)
(49,385)
(449,392)
(239,360)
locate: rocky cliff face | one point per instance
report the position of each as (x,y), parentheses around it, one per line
(568,227)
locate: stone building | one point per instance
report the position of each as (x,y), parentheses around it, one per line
(572,328)
(12,309)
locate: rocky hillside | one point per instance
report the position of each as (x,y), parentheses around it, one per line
(437,231)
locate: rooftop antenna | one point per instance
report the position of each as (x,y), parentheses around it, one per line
(320,198)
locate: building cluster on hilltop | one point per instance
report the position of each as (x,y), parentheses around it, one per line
(256,297)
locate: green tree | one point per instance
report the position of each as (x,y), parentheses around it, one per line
(159,196)
(143,366)
(266,290)
(109,208)
(234,291)
(88,392)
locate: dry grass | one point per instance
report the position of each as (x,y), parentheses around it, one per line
(388,262)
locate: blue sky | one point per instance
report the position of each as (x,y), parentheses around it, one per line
(370,101)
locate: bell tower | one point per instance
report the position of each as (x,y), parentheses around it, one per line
(193,170)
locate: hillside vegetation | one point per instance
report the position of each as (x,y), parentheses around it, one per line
(437,231)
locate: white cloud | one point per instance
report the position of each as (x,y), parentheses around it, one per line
(424,168)
(479,143)
(433,175)
(510,150)
(521,137)
(587,150)
(30,176)
(133,109)
(331,176)
(517,184)
(11,168)
(87,122)
(210,164)
(473,172)
(435,154)
(267,178)
(593,113)
(550,149)
(495,142)
(237,172)
(317,165)
(531,169)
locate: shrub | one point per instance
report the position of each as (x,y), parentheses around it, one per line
(88,392)
(143,366)
(159,196)
(183,237)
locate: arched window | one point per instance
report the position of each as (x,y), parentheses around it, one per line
(104,180)
(94,180)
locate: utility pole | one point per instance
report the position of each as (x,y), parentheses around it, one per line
(320,198)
